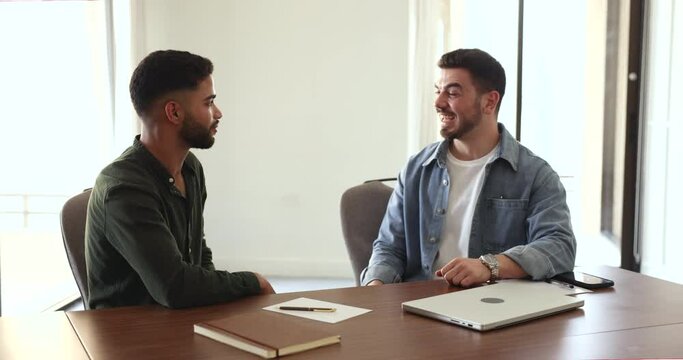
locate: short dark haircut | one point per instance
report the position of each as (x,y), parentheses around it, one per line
(486,72)
(165,71)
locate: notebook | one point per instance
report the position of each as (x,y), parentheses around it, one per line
(267,334)
(493,306)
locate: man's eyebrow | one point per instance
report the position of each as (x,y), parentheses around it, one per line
(449,85)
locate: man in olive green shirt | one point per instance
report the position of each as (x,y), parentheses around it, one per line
(145,229)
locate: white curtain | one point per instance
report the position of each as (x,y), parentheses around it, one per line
(661,173)
(428,38)
(120,38)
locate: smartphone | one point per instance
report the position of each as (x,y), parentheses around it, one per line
(584,280)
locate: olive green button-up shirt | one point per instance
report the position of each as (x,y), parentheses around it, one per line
(144,241)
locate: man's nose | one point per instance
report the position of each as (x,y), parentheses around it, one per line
(440,101)
(217,114)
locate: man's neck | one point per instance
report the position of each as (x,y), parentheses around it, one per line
(477,143)
(168,151)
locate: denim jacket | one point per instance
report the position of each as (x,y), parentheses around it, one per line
(521,212)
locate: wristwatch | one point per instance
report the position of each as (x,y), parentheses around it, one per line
(492,263)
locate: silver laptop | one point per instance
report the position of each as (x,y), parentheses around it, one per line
(492,306)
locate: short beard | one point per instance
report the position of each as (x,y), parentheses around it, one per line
(452,135)
(195,135)
(467,124)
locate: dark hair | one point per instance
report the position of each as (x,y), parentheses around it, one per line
(486,72)
(164,71)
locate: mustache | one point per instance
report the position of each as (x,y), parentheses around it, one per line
(441,111)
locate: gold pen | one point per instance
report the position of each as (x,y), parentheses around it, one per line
(306,308)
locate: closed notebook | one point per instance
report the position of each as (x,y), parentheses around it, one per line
(267,334)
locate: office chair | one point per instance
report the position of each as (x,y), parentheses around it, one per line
(362,210)
(72,219)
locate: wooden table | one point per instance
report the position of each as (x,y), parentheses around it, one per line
(640,317)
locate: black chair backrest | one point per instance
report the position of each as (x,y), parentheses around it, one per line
(73,217)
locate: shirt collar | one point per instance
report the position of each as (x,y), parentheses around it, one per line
(508,150)
(154,164)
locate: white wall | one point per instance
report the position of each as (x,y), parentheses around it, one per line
(314,96)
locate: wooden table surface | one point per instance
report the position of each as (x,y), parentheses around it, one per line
(640,317)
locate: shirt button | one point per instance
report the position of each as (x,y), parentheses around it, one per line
(170,180)
(441,211)
(445,182)
(432,239)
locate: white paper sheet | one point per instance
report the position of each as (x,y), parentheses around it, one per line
(343,311)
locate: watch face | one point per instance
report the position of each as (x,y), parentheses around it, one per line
(490,260)
(492,263)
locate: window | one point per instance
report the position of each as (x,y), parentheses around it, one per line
(570,88)
(58,131)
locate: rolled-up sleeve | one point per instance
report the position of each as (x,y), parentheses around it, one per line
(552,246)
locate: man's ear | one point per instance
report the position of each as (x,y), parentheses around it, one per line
(490,102)
(173,112)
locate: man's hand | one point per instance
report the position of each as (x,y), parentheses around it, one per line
(266,288)
(467,272)
(375,283)
(464,272)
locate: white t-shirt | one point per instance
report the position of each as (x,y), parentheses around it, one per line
(467,178)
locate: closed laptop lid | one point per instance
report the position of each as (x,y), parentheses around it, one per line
(492,306)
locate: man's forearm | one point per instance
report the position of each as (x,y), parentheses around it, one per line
(509,269)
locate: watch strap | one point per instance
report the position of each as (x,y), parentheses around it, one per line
(490,261)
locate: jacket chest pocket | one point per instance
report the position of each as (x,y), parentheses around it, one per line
(504,224)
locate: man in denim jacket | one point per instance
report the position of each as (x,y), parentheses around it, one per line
(477,206)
